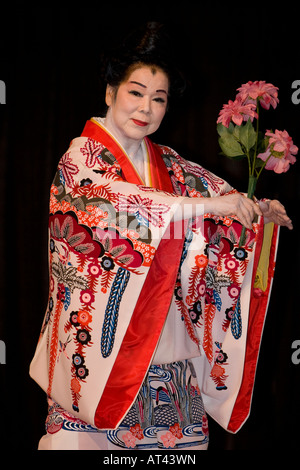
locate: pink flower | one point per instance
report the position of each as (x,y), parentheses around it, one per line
(94,269)
(236,112)
(266,92)
(233,291)
(87,297)
(280,152)
(168,439)
(129,439)
(231,264)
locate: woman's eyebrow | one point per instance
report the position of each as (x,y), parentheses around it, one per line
(144,86)
(138,83)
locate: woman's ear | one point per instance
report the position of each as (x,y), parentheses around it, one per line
(109,95)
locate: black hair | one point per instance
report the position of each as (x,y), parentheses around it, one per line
(149,45)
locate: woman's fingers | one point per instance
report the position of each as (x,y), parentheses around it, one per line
(274,211)
(235,205)
(247,209)
(246,214)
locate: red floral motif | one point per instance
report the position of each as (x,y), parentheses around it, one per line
(91,151)
(234,291)
(231,264)
(137,431)
(205,425)
(84,317)
(68,168)
(176,430)
(94,269)
(87,297)
(201,261)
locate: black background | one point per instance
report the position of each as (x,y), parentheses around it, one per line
(49,63)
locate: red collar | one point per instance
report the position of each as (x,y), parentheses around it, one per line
(159,174)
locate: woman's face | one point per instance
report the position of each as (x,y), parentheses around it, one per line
(139,105)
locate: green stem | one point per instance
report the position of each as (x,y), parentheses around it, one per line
(249,161)
(257,129)
(251,190)
(252,177)
(251,186)
(263,166)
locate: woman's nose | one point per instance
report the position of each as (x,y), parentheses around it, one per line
(145,105)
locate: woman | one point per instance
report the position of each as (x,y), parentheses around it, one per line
(149,290)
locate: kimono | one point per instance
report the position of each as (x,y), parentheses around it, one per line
(136,283)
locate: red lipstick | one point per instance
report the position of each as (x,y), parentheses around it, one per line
(140,123)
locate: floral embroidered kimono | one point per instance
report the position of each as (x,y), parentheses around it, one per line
(147,307)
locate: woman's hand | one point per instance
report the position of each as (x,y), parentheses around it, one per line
(238,205)
(234,205)
(274,211)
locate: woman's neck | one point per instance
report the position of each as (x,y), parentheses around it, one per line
(130,146)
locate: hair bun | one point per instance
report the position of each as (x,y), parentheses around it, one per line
(149,45)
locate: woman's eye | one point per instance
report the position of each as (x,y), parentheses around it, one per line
(136,93)
(160,100)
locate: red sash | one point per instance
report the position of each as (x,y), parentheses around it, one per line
(143,332)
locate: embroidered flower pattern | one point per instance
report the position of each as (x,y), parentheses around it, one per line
(137,431)
(145,209)
(176,430)
(91,150)
(129,439)
(93,253)
(68,168)
(169,440)
(214,289)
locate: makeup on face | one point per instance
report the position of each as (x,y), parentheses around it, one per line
(139,105)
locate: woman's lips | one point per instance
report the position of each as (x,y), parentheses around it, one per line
(140,123)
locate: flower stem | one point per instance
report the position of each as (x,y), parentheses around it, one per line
(256,143)
(252,177)
(251,190)
(263,166)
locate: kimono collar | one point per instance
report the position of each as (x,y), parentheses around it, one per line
(159,176)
